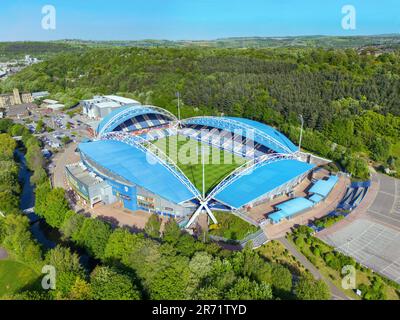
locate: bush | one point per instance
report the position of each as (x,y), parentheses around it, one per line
(308,288)
(232,227)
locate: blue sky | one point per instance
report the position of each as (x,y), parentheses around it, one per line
(193,19)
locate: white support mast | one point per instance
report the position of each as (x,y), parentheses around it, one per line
(204,201)
(178,94)
(204,178)
(301,131)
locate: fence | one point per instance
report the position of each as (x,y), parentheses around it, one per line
(259,235)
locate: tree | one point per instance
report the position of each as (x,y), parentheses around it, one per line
(308,288)
(18,130)
(7,146)
(153,226)
(39,176)
(380,148)
(200,266)
(110,284)
(281,280)
(65,140)
(81,290)
(51,204)
(9,202)
(72,225)
(172,232)
(64,260)
(16,238)
(244,289)
(120,245)
(171,280)
(5,125)
(34,157)
(39,126)
(94,235)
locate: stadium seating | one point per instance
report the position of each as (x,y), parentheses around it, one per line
(141,122)
(354,195)
(225,140)
(158,134)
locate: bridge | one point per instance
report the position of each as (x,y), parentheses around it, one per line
(29,210)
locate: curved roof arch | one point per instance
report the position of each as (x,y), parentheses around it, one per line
(120,115)
(259,132)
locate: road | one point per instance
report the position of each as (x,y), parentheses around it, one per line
(336,293)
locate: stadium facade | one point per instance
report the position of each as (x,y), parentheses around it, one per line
(125,166)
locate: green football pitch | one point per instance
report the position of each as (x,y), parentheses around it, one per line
(187,154)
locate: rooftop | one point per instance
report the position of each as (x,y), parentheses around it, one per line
(132,164)
(290,208)
(323,187)
(83,175)
(261,181)
(122,99)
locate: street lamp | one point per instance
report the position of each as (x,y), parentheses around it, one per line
(301,130)
(179,105)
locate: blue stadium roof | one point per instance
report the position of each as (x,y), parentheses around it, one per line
(268,130)
(316,198)
(295,205)
(324,187)
(261,181)
(131,163)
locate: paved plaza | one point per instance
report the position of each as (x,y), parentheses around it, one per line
(372,236)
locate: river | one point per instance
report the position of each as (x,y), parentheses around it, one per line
(47,236)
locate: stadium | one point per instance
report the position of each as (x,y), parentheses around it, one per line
(147,159)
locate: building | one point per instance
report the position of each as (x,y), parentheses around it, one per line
(124,157)
(20,111)
(6,100)
(90,188)
(40,95)
(52,104)
(26,98)
(101,106)
(15,98)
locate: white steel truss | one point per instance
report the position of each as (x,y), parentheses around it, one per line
(244,169)
(133,112)
(232,124)
(157,153)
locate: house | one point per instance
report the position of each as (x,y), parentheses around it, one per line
(40,95)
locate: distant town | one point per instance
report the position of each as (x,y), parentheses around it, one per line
(11,67)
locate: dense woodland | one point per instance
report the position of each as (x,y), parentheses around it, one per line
(350,101)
